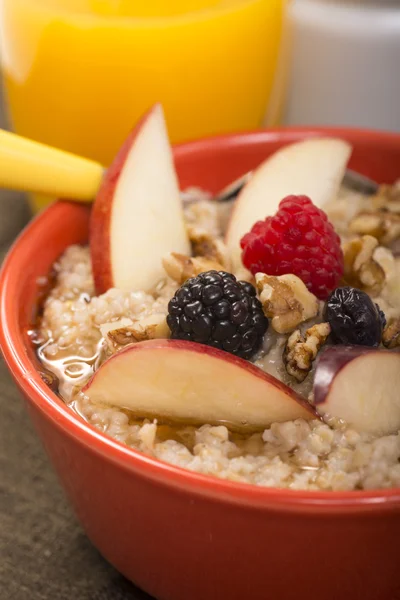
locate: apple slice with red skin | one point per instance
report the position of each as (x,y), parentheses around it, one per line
(313,167)
(183,381)
(361,386)
(137,217)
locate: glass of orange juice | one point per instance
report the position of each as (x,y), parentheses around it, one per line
(79,73)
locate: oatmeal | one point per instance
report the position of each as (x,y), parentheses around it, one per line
(280,324)
(298,454)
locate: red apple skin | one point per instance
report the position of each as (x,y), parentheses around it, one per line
(331,362)
(100,220)
(219,354)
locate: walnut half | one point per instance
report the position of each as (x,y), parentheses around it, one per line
(391,334)
(286,301)
(361,270)
(387,198)
(383,225)
(181,267)
(300,351)
(120,333)
(204,244)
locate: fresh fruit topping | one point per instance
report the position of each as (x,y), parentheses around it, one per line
(299,239)
(313,167)
(286,301)
(216,309)
(354,318)
(361,386)
(178,380)
(137,217)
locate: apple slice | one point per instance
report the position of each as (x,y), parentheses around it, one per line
(137,217)
(361,386)
(313,167)
(194,383)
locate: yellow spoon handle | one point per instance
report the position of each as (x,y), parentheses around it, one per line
(34,167)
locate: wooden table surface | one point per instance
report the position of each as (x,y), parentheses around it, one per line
(44,554)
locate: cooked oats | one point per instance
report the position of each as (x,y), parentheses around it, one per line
(81,330)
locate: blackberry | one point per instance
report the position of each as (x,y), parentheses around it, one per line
(354,318)
(217,310)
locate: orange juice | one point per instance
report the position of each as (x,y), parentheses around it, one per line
(79,73)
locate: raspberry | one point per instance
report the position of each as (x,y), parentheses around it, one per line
(300,240)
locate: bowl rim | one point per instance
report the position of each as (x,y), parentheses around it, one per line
(162,473)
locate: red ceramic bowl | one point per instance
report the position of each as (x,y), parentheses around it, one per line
(180,535)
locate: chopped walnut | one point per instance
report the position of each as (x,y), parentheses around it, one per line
(383,225)
(180,267)
(113,325)
(361,270)
(391,334)
(300,351)
(146,328)
(205,244)
(380,216)
(387,198)
(385,258)
(286,301)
